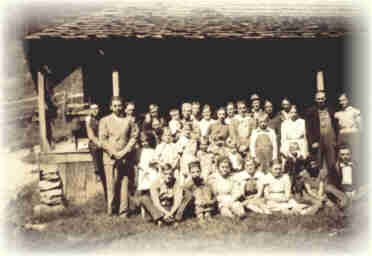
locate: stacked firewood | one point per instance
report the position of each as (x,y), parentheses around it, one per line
(50,186)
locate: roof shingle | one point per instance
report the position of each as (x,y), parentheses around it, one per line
(235,21)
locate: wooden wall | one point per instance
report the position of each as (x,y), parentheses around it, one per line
(77,174)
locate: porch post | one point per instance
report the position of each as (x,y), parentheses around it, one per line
(45,147)
(320,81)
(115,83)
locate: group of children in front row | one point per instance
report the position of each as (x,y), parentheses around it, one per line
(209,177)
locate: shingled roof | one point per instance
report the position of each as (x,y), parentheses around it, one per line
(251,21)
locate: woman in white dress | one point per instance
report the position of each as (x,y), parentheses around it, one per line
(294,130)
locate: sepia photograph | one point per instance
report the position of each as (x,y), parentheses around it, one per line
(182,126)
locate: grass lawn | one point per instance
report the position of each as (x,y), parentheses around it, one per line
(88,228)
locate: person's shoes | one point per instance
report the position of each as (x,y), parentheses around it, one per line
(175,224)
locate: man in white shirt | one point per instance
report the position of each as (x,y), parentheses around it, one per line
(349,125)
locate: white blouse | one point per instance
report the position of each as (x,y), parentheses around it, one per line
(294,131)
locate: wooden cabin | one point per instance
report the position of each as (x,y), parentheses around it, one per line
(152,54)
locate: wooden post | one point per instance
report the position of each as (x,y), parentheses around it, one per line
(320,81)
(64,107)
(45,147)
(115,83)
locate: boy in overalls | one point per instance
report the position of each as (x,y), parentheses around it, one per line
(263,143)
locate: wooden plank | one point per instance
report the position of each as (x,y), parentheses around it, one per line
(76,183)
(48,185)
(65,157)
(68,176)
(115,83)
(62,175)
(94,186)
(45,147)
(64,107)
(85,168)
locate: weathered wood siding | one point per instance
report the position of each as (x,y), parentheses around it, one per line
(77,174)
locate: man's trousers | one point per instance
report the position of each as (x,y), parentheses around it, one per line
(326,152)
(117,181)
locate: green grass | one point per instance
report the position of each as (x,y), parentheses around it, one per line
(87,227)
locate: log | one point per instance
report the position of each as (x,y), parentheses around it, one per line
(49,185)
(51,193)
(42,209)
(53,176)
(56,200)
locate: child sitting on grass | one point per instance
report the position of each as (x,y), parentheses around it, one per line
(276,189)
(321,176)
(204,199)
(250,180)
(168,198)
(226,189)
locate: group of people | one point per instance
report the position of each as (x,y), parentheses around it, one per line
(247,159)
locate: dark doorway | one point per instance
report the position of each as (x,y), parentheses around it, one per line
(168,72)
(97,75)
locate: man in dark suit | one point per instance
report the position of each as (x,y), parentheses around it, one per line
(321,132)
